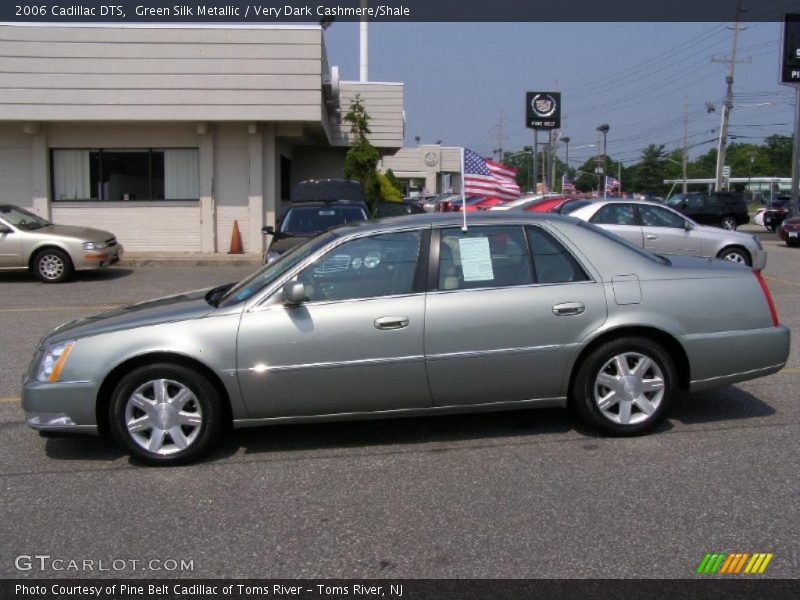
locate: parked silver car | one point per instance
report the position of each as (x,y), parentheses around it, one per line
(52,252)
(663,230)
(409,316)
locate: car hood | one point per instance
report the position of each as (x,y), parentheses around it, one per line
(725,233)
(88,234)
(189,305)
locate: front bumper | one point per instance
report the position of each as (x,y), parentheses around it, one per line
(759,258)
(97,259)
(64,406)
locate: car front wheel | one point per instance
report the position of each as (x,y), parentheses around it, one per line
(729,223)
(624,386)
(52,265)
(165,414)
(736,255)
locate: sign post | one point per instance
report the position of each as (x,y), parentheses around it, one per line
(790,75)
(542,112)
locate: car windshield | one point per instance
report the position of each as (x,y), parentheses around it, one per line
(21,218)
(310,220)
(779,203)
(676,201)
(268,273)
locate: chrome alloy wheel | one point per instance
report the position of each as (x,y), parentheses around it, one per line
(163,416)
(51,266)
(735,257)
(629,388)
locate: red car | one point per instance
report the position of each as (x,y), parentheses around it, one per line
(790,231)
(474,203)
(546,204)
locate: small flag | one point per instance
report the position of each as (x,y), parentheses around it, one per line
(488,178)
(612,184)
(567,187)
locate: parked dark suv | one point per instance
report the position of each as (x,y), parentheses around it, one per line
(776,212)
(720,209)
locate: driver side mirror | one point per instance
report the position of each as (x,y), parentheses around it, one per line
(688,225)
(268,230)
(294,293)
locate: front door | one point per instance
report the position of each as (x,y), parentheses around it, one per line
(10,246)
(507,315)
(666,232)
(355,345)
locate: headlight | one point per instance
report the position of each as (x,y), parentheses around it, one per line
(94,245)
(272,257)
(53,361)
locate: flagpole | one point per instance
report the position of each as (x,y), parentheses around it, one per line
(463,194)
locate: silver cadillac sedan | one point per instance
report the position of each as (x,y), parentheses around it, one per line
(409,316)
(52,252)
(663,230)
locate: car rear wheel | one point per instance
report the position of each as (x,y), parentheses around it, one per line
(624,386)
(728,222)
(52,265)
(792,242)
(165,414)
(737,255)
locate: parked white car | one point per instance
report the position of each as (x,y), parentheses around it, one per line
(662,230)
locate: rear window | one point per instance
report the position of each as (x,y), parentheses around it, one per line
(308,220)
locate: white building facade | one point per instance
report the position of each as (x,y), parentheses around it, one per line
(166,135)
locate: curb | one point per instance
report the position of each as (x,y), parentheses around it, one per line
(247,260)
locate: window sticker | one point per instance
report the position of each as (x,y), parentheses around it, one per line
(476,259)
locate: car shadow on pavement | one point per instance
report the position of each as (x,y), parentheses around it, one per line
(388,433)
(719,404)
(83,448)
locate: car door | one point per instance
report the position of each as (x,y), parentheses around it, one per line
(619,218)
(356,343)
(499,328)
(666,232)
(10,246)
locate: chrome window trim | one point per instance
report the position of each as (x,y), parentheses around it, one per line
(338,363)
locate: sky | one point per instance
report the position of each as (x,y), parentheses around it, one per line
(633,76)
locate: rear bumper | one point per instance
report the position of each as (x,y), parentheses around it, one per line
(759,258)
(727,357)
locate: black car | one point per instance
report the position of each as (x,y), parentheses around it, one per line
(720,209)
(317,205)
(776,212)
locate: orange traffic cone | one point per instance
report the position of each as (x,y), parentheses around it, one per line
(236,240)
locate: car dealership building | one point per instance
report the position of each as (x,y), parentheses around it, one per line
(166,135)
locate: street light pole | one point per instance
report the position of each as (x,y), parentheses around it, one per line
(604,130)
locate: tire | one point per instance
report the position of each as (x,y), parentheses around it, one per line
(187,423)
(728,222)
(52,265)
(632,410)
(792,243)
(737,255)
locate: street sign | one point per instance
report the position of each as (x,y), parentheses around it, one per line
(543,110)
(790,59)
(726,171)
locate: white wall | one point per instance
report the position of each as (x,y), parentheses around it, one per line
(16,184)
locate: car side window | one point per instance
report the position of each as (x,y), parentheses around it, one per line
(655,216)
(369,267)
(483,257)
(614,214)
(552,263)
(695,202)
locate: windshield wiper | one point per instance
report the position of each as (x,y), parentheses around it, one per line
(214,294)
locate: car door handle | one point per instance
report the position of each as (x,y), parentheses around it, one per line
(568,308)
(650,236)
(391,322)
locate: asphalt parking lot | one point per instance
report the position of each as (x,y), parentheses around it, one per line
(512,495)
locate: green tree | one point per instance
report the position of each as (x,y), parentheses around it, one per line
(651,170)
(779,154)
(389,193)
(361,160)
(396,183)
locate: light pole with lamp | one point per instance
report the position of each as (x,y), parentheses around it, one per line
(604,130)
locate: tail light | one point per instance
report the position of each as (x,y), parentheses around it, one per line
(768,296)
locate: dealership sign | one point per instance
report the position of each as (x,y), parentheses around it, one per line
(543,110)
(790,59)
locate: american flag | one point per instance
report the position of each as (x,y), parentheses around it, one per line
(566,185)
(488,178)
(612,184)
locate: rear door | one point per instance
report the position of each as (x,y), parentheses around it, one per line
(620,218)
(506,309)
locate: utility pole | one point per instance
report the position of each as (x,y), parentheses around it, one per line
(685,142)
(535,166)
(728,105)
(553,156)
